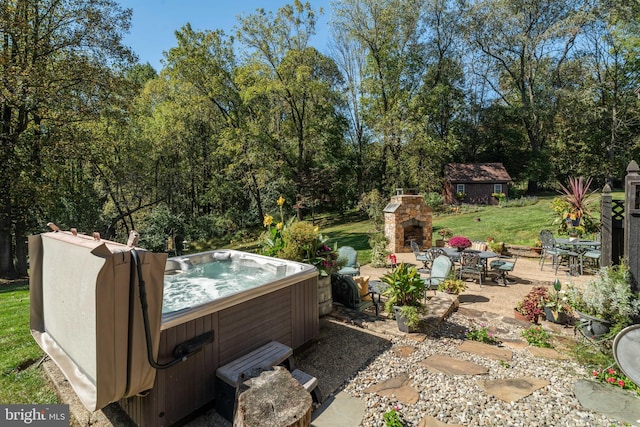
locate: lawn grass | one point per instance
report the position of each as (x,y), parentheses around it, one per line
(22,380)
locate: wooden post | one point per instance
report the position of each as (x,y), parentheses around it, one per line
(606,227)
(274,398)
(632,222)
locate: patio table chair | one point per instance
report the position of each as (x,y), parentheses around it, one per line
(470,263)
(421,256)
(440,270)
(551,249)
(351,267)
(503,266)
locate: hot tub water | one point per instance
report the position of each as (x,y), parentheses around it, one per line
(191,286)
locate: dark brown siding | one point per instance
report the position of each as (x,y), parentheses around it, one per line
(288,315)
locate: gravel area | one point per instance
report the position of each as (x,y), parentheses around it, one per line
(460,399)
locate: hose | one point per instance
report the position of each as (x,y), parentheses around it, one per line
(145,317)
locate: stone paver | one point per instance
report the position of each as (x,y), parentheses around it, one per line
(439,363)
(547,353)
(434,422)
(399,387)
(606,399)
(512,389)
(342,410)
(404,351)
(486,350)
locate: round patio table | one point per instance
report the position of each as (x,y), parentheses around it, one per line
(454,254)
(578,247)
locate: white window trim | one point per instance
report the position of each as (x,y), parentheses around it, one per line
(460,188)
(496,190)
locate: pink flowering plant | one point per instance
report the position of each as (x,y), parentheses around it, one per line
(392,418)
(460,242)
(618,379)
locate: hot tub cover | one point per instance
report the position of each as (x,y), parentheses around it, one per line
(86,314)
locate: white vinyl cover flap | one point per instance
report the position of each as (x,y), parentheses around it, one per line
(86,315)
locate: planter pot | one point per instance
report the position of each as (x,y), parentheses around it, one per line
(520,316)
(440,243)
(401,321)
(559,317)
(593,327)
(325,298)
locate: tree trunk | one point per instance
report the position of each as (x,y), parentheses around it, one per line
(274,398)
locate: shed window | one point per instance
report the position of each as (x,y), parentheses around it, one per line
(460,188)
(497,188)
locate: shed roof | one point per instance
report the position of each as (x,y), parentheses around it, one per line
(476,172)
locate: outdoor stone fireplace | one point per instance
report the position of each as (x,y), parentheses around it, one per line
(406,218)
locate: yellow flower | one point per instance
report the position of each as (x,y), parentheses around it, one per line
(280,226)
(268,220)
(280,201)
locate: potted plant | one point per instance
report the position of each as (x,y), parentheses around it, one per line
(606,304)
(405,289)
(452,286)
(531,308)
(573,205)
(445,234)
(460,243)
(556,305)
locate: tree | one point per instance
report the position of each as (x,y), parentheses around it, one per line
(293,87)
(54,62)
(389,32)
(523,46)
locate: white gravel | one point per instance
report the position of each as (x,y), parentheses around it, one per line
(460,399)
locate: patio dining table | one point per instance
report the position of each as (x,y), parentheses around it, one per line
(454,254)
(579,247)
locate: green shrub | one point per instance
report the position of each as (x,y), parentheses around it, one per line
(537,337)
(379,252)
(483,335)
(434,200)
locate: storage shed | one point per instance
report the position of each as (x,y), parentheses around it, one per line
(475,182)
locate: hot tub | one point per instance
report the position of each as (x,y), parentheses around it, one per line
(78,281)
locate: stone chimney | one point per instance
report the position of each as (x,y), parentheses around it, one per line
(407,217)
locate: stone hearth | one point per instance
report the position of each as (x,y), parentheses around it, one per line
(406,218)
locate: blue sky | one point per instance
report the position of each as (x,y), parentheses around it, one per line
(154,21)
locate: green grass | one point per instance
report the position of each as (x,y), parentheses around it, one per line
(22,380)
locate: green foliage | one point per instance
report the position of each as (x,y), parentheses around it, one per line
(411,315)
(373,204)
(379,251)
(434,200)
(392,418)
(608,297)
(452,286)
(404,287)
(482,335)
(537,337)
(160,226)
(22,379)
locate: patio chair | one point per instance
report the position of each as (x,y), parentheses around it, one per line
(351,267)
(420,256)
(550,249)
(470,263)
(503,266)
(345,291)
(593,256)
(440,270)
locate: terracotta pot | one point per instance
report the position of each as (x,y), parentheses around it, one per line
(520,316)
